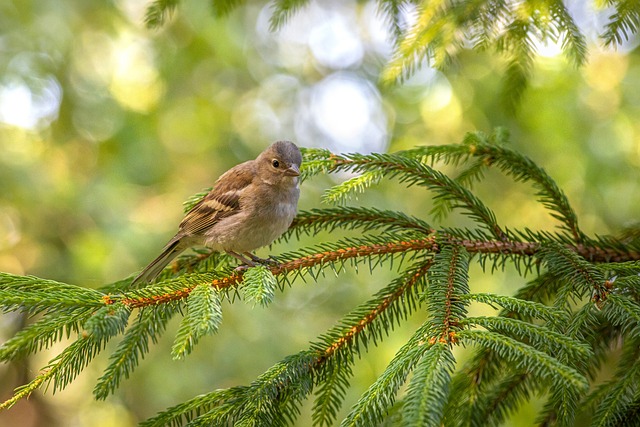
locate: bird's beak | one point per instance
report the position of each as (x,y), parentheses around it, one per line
(293,170)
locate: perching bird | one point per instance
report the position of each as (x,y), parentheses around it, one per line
(249,207)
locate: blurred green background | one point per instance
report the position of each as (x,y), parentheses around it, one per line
(106,127)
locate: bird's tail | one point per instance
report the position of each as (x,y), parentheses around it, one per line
(152,270)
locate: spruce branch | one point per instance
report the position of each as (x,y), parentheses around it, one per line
(391,11)
(514,164)
(379,397)
(259,285)
(470,175)
(271,399)
(623,23)
(351,218)
(497,400)
(333,381)
(537,336)
(176,290)
(412,172)
(281,384)
(474,382)
(35,295)
(623,312)
(574,42)
(341,193)
(52,327)
(542,364)
(441,30)
(582,277)
(26,390)
(369,322)
(615,399)
(529,309)
(550,338)
(349,331)
(521,168)
(66,366)
(189,411)
(159,11)
(448,280)
(203,316)
(149,325)
(282,12)
(428,390)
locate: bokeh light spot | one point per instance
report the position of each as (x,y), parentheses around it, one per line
(334,44)
(29,108)
(348,111)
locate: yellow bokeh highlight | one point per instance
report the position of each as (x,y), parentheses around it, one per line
(135,82)
(124,64)
(603,75)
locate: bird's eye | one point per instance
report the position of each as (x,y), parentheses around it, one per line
(275,163)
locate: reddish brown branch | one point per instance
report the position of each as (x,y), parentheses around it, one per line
(296,264)
(350,335)
(446,335)
(429,244)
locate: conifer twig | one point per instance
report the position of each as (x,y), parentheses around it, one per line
(430,244)
(366,320)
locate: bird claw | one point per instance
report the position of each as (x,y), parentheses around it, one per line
(271,261)
(266,262)
(241,268)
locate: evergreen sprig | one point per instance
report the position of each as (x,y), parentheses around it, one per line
(35,295)
(435,32)
(413,172)
(490,152)
(158,12)
(44,332)
(380,396)
(352,218)
(580,306)
(149,325)
(259,285)
(428,391)
(623,23)
(203,316)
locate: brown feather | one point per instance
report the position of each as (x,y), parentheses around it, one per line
(222,201)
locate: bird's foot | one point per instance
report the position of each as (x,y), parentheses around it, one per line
(271,261)
(241,268)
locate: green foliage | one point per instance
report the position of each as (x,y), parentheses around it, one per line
(429,389)
(623,23)
(158,11)
(440,30)
(203,317)
(371,407)
(283,10)
(333,382)
(41,334)
(35,295)
(259,285)
(579,307)
(149,324)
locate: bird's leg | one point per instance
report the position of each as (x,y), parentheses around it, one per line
(268,261)
(241,258)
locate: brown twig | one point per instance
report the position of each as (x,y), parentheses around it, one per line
(429,243)
(350,335)
(296,264)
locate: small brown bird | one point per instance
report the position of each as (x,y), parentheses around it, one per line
(249,207)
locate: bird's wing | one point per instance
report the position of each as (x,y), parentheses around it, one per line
(222,201)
